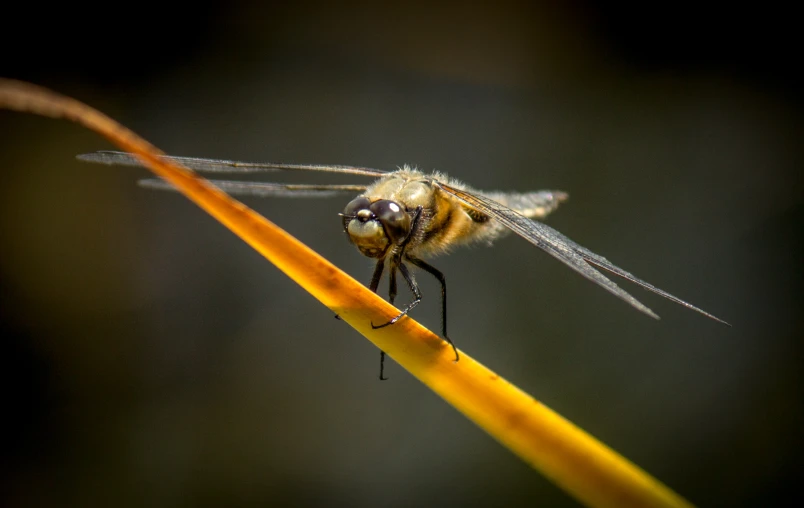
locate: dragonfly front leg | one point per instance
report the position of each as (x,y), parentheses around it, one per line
(396,261)
(373,285)
(391,298)
(375,278)
(414,288)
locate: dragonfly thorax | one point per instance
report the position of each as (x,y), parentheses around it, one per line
(374,227)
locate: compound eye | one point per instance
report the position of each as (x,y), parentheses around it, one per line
(394,218)
(355,205)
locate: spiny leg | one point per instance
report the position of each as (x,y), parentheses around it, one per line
(391,298)
(375,278)
(375,282)
(440,276)
(392,283)
(414,288)
(396,261)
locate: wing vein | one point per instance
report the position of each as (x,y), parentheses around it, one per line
(565,250)
(109,157)
(265,189)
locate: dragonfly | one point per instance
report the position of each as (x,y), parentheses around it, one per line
(406,215)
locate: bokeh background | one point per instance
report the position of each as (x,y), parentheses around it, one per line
(150,358)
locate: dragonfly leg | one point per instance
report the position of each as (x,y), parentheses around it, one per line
(396,262)
(391,298)
(414,288)
(441,279)
(375,282)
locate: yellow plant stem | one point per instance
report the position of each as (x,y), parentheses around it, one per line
(581,465)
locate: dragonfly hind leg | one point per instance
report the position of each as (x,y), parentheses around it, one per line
(443,281)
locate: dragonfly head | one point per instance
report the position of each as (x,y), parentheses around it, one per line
(374,227)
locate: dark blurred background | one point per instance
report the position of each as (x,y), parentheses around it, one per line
(149,357)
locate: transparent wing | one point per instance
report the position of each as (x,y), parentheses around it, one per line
(225,166)
(262,189)
(565,250)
